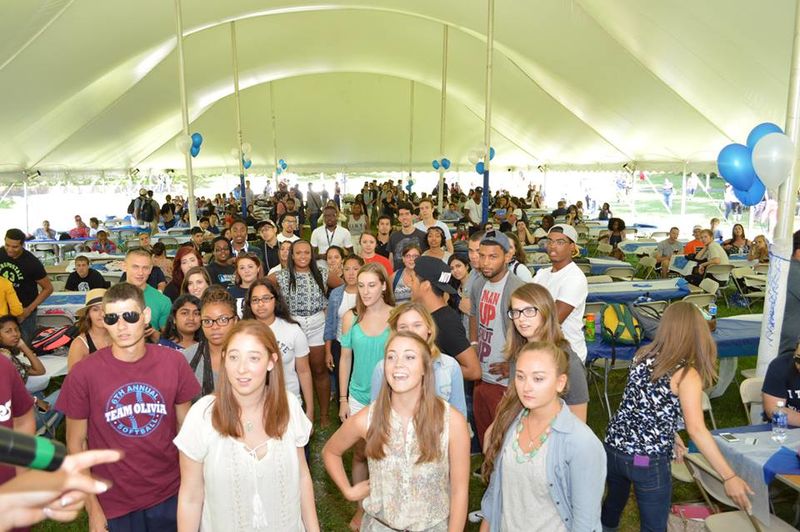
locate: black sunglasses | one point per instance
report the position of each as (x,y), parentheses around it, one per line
(130,316)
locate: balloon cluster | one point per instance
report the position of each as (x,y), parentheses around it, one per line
(197,141)
(282,165)
(247,149)
(443,163)
(476,156)
(765,162)
(190,143)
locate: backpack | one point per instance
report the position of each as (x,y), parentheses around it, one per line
(620,326)
(50,339)
(648,318)
(146,211)
(132,206)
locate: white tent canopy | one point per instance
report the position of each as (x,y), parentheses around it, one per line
(91,84)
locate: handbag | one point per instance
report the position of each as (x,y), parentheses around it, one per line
(688,517)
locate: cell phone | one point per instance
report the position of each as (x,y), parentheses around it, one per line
(727,436)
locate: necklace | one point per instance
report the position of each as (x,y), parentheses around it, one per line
(248,426)
(534,444)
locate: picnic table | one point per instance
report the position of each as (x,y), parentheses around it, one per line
(58,245)
(63,303)
(629,291)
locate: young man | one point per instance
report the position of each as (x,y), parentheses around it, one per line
(474,246)
(567,284)
(221,269)
(331,234)
(429,282)
(138,267)
(407,234)
(239,242)
(288,225)
(198,240)
(427,220)
(44,232)
(791,314)
(84,278)
(474,210)
(205,225)
(490,296)
(144,242)
(666,249)
(451,213)
(384,236)
(313,206)
(695,245)
(268,245)
(131,396)
(561,209)
(28,276)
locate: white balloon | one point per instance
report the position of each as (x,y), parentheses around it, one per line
(246,148)
(235,153)
(773,159)
(183,143)
(474,155)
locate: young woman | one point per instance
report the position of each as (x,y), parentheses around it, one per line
(533,313)
(459,268)
(241,449)
(334,260)
(283,257)
(545,468)
(248,269)
(341,299)
(357,222)
(196,282)
(573,217)
(737,243)
(368,243)
(449,381)
(665,385)
(523,234)
(364,332)
(304,285)
(417,446)
(401,284)
(517,264)
(436,244)
(759,250)
(12,346)
(605,212)
(182,330)
(160,259)
(92,333)
(616,231)
(266,304)
(217,317)
(186,258)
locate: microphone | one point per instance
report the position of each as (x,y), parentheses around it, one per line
(34,452)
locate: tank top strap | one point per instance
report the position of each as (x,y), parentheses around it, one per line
(90,343)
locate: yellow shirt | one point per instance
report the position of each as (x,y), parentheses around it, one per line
(9,302)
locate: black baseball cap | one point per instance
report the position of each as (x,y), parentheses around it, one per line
(435,271)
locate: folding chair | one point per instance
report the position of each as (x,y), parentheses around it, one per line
(750,394)
(596,279)
(585,268)
(722,274)
(761,269)
(707,296)
(604,248)
(747,289)
(624,273)
(646,267)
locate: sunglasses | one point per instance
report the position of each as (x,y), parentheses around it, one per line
(130,316)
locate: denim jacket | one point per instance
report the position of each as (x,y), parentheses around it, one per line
(576,475)
(332,316)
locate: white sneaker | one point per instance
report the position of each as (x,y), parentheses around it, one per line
(475,517)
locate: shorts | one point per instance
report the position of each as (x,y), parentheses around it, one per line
(313,327)
(355,406)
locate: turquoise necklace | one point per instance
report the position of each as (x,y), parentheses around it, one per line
(521,455)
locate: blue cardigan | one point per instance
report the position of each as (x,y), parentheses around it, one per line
(332,316)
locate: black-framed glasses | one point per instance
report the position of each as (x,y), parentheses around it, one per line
(528,312)
(131,317)
(222,321)
(262,299)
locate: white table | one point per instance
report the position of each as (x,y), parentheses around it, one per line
(55,366)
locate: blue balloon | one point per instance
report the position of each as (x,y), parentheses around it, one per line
(281,162)
(194,150)
(480,168)
(491,153)
(759,131)
(446,163)
(735,163)
(284,166)
(197,139)
(279,170)
(753,195)
(435,164)
(247,163)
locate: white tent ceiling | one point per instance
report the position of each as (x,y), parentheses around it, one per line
(92,84)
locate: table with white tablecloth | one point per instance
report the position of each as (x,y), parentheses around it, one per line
(629,291)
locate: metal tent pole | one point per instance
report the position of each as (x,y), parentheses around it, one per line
(443,120)
(411,132)
(487,119)
(274,133)
(185,112)
(235,54)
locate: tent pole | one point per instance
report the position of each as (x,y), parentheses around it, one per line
(27,218)
(274,133)
(235,54)
(683,191)
(780,252)
(487,119)
(185,113)
(411,132)
(443,120)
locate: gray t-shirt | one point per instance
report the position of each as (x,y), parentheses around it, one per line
(667,248)
(491,330)
(791,314)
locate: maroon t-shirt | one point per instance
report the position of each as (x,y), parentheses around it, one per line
(15,401)
(131,406)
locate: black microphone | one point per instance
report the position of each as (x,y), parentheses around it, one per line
(34,452)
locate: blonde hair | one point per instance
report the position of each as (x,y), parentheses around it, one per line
(550,331)
(388,295)
(413,306)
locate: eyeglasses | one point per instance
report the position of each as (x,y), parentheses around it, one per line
(130,316)
(528,312)
(262,299)
(560,242)
(222,321)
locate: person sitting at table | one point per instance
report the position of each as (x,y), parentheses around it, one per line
(605,212)
(616,231)
(94,226)
(737,243)
(161,260)
(711,254)
(451,213)
(561,209)
(44,232)
(664,388)
(144,241)
(12,346)
(666,249)
(573,218)
(782,383)
(103,244)
(81,230)
(84,278)
(92,333)
(695,245)
(759,250)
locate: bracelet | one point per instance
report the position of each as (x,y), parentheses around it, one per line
(342,397)
(473,343)
(724,480)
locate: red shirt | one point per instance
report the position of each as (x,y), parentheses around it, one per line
(691,247)
(380,259)
(131,406)
(15,401)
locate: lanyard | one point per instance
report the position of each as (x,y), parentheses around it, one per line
(330,235)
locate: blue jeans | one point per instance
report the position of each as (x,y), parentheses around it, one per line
(163,517)
(652,485)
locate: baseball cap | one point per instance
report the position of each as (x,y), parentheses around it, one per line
(435,271)
(566,230)
(142,192)
(262,223)
(496,238)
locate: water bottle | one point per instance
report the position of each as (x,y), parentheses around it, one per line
(590,332)
(779,423)
(712,310)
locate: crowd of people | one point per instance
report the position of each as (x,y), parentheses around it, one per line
(210,370)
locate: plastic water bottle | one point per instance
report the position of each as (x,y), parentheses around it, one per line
(590,332)
(712,310)
(779,423)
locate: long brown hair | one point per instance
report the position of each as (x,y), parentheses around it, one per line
(226,412)
(428,418)
(682,339)
(420,309)
(550,331)
(510,406)
(177,272)
(388,295)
